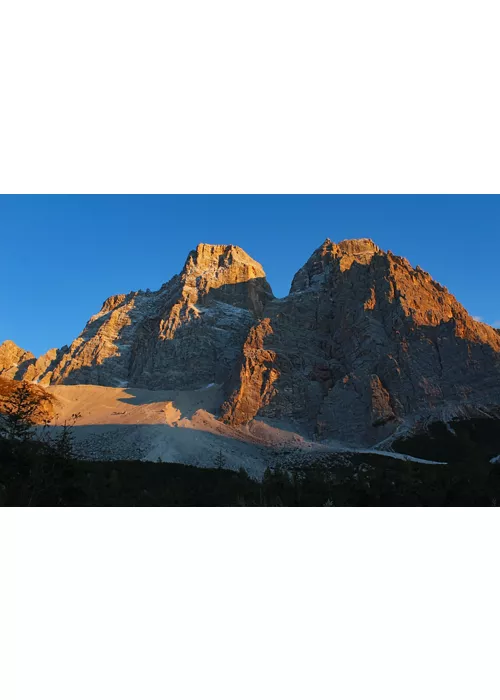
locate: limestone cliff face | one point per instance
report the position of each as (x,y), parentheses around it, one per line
(364,340)
(187,334)
(201,320)
(253,385)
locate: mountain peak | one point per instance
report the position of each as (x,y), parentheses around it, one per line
(207,257)
(329,255)
(205,310)
(351,246)
(363,342)
(358,246)
(225,273)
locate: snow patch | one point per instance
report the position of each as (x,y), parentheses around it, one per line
(396,455)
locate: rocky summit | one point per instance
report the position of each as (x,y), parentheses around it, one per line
(187,333)
(363,345)
(363,342)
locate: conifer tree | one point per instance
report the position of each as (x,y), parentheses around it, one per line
(21,410)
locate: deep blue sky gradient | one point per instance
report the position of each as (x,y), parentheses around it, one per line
(62,256)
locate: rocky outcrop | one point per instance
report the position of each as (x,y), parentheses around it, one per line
(19,364)
(253,387)
(13,359)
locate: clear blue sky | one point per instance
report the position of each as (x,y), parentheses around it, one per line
(63,255)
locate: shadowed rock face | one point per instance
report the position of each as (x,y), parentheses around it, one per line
(362,342)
